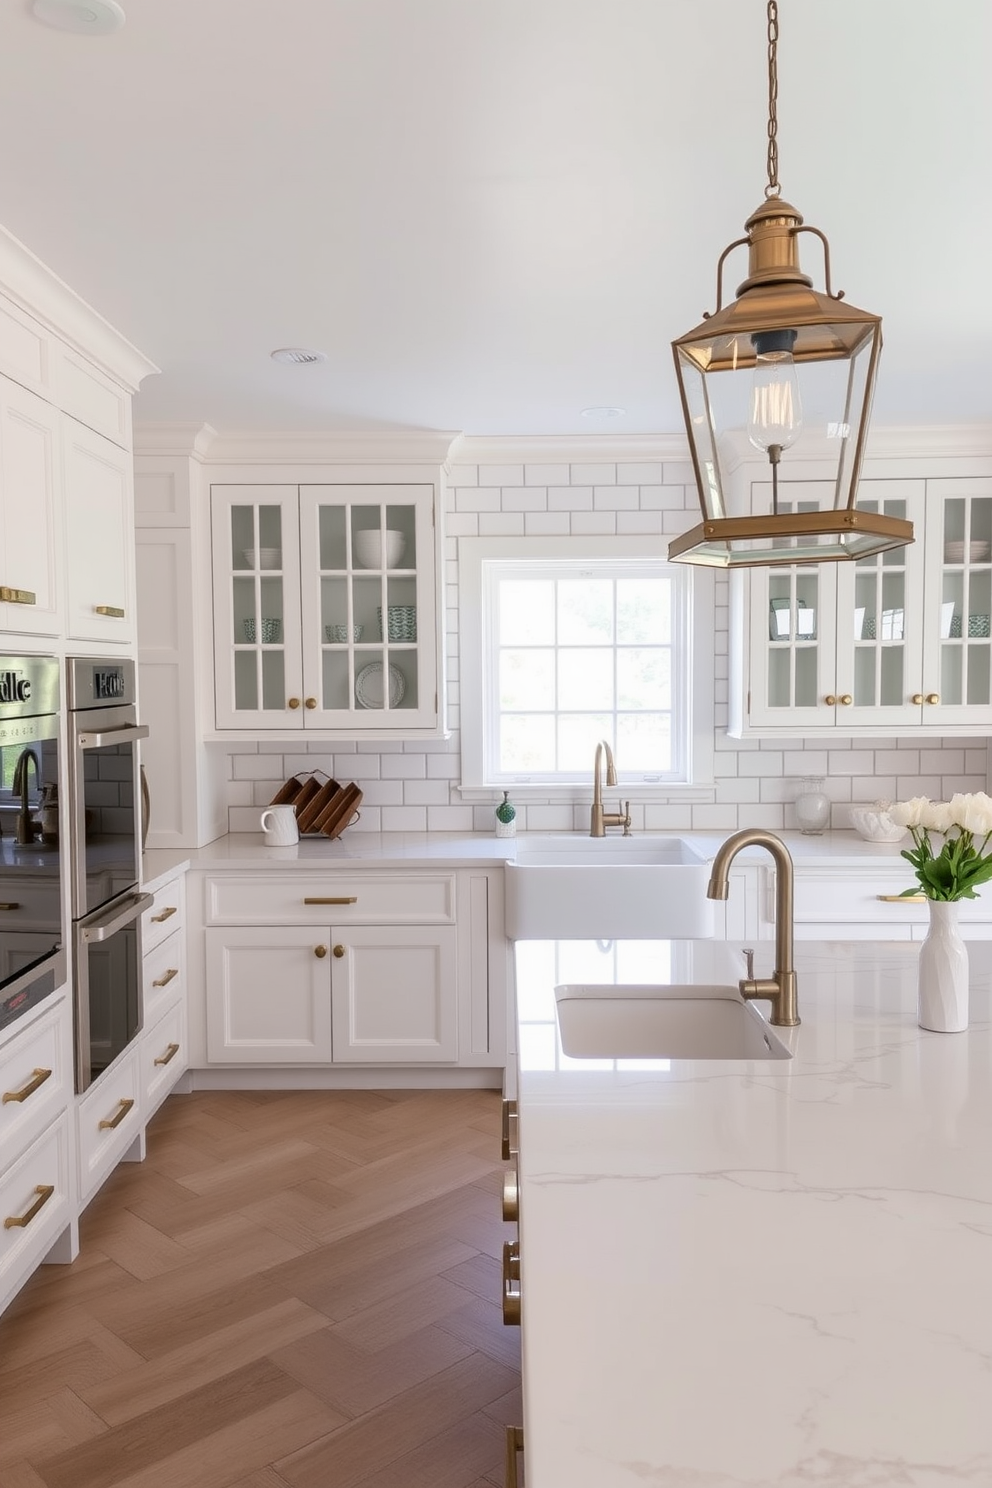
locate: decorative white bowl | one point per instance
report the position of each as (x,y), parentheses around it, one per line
(368,548)
(874,824)
(263,557)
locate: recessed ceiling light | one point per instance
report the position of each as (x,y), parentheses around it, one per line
(603,413)
(84,17)
(297,355)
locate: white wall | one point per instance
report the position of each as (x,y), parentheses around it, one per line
(414,787)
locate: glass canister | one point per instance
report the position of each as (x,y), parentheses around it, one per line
(812,806)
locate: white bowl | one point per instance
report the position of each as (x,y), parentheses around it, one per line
(976,551)
(263,557)
(368,548)
(875,824)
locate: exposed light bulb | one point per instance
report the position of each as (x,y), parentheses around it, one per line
(776,414)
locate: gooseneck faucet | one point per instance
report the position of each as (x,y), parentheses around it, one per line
(26,828)
(780,989)
(601,819)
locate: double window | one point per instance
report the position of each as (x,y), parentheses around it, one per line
(568,642)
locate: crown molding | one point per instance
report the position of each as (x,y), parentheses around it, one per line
(915,441)
(565,449)
(296,447)
(32,286)
(190,441)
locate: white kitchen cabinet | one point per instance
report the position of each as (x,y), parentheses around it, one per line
(163,1050)
(30,513)
(835,902)
(394,994)
(268,996)
(109,1122)
(36,1197)
(99,534)
(895,644)
(313,630)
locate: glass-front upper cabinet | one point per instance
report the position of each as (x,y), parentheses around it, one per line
(325,608)
(956,682)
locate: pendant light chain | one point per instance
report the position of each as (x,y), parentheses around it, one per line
(773,188)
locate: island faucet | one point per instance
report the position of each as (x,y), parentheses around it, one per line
(780,988)
(601,819)
(26,828)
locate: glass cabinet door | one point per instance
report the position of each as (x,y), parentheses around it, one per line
(880,616)
(957,673)
(368,606)
(256,607)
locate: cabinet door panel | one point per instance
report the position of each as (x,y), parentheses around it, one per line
(30,512)
(957,669)
(394,995)
(269,996)
(99,535)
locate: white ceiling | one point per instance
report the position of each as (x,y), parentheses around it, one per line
(493,214)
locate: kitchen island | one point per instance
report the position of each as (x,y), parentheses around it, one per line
(761,1274)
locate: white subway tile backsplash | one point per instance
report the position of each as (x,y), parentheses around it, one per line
(413,786)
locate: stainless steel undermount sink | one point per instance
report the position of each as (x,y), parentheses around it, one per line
(572,887)
(662,1022)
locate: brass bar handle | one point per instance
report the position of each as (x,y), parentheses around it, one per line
(21,1221)
(114,612)
(902,898)
(507,1146)
(169,1055)
(511,1195)
(334,899)
(10,904)
(511,1274)
(125,1106)
(17,596)
(38,1078)
(514,1444)
(165,915)
(164,981)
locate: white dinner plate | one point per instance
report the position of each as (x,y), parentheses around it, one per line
(368,686)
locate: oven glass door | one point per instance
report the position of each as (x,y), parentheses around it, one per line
(108,985)
(106,804)
(32,958)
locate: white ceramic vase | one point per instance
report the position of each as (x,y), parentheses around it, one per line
(943,972)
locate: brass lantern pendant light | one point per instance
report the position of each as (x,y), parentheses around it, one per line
(791,372)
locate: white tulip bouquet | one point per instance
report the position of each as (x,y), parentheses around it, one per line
(959,865)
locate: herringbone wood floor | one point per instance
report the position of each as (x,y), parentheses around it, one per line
(294,1290)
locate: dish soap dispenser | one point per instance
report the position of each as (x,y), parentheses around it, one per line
(506,817)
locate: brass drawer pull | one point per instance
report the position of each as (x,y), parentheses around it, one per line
(38,1077)
(169,1055)
(511,1195)
(21,1221)
(17,596)
(902,898)
(165,915)
(10,904)
(164,981)
(114,612)
(507,1144)
(511,1274)
(335,899)
(125,1106)
(514,1444)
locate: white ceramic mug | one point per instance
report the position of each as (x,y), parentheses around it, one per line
(279,825)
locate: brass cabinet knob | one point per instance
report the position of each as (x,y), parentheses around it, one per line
(311,702)
(830,700)
(339,951)
(320,952)
(294,702)
(933,697)
(918,699)
(846,699)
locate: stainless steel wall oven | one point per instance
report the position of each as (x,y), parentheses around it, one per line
(104,815)
(32,938)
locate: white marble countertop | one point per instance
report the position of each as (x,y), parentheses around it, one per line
(475,849)
(759,1275)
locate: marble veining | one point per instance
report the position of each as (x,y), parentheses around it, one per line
(748,1275)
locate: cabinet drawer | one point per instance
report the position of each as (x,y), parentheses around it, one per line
(339,898)
(34,1199)
(162,977)
(833,897)
(165,916)
(109,1118)
(163,1057)
(35,1081)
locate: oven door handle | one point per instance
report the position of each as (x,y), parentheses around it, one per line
(117,919)
(112,736)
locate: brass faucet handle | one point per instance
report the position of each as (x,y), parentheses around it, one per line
(626,819)
(749,963)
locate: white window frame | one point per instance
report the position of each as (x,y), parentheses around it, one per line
(694,688)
